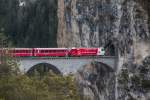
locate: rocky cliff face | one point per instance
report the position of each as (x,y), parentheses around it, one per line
(134,81)
(94,23)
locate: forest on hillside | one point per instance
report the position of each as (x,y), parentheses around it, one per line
(29,23)
(17,86)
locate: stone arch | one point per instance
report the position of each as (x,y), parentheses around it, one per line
(94,63)
(46,66)
(95,67)
(106,65)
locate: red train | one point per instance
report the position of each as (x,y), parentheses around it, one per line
(55,52)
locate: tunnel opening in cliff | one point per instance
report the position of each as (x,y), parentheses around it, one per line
(110,49)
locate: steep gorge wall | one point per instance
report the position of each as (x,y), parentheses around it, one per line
(94,23)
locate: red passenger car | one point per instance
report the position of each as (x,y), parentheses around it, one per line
(21,52)
(54,52)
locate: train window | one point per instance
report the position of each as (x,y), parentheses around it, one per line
(58,51)
(37,51)
(42,51)
(61,50)
(15,51)
(49,51)
(21,51)
(28,51)
(25,51)
(102,49)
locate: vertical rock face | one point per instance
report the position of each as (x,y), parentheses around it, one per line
(95,23)
(61,21)
(134,81)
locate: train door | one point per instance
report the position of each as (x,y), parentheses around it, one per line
(33,52)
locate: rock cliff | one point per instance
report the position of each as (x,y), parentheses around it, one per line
(125,24)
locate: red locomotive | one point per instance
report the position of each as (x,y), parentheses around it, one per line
(56,52)
(86,51)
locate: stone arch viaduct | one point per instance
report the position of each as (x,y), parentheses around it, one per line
(65,65)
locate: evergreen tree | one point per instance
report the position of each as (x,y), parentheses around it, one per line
(16,86)
(31,25)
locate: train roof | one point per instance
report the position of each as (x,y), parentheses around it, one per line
(52,48)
